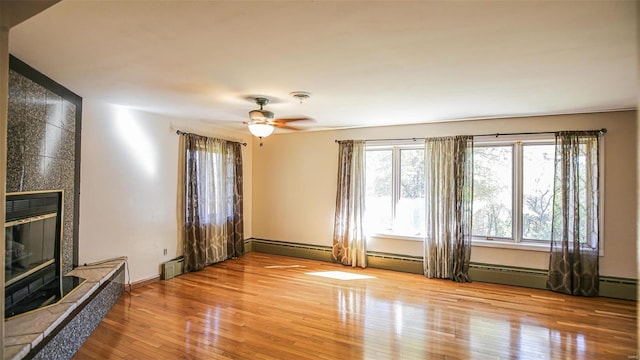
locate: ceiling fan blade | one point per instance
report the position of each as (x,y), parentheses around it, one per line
(287,127)
(286,120)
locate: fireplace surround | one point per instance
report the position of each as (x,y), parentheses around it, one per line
(44,121)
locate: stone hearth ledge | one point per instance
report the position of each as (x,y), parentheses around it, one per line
(24,332)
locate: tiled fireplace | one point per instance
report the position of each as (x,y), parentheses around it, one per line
(43,173)
(43,145)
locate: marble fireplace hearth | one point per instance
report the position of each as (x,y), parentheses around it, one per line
(58,331)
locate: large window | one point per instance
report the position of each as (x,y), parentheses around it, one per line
(513,190)
(395,190)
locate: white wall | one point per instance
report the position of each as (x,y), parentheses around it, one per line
(127,201)
(128,186)
(295,185)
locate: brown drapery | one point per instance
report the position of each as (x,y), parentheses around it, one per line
(210,201)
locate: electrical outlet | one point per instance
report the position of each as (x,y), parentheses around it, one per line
(165,251)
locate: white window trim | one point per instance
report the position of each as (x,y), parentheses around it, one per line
(526,244)
(396,237)
(395,146)
(516,186)
(529,245)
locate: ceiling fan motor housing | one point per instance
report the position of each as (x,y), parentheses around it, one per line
(260,115)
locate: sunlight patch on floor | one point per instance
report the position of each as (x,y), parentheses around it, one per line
(340,275)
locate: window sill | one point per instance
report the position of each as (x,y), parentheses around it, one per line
(481,243)
(528,246)
(396,237)
(512,245)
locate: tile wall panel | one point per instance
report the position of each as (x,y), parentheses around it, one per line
(41,147)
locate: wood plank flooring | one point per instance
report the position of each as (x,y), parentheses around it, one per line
(264,306)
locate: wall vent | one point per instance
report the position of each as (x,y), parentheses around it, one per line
(172,268)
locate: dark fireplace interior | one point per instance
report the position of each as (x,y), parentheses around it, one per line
(33,230)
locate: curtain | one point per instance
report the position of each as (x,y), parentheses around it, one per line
(448,209)
(235,245)
(349,243)
(211,214)
(573,263)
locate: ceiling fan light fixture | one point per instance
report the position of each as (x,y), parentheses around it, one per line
(261,130)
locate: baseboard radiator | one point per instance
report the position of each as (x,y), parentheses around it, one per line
(613,287)
(172,268)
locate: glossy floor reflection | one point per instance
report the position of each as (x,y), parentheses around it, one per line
(270,307)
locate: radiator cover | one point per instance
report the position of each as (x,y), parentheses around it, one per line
(172,268)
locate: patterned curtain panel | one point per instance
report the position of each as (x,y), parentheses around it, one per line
(349,243)
(212,201)
(448,211)
(235,245)
(573,263)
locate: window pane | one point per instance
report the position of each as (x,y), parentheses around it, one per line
(410,208)
(537,191)
(378,210)
(493,191)
(586,166)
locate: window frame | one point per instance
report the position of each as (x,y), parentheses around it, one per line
(518,241)
(516,143)
(396,182)
(534,245)
(514,201)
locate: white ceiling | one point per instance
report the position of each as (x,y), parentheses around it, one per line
(365,63)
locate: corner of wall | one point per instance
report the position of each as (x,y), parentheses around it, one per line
(4,96)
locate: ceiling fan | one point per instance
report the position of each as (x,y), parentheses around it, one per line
(262,122)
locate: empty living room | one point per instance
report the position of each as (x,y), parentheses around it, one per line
(319,179)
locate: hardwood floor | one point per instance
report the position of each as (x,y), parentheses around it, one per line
(265,306)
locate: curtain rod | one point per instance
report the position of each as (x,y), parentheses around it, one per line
(602,132)
(179,132)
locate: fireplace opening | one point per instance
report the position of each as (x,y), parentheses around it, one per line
(33,233)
